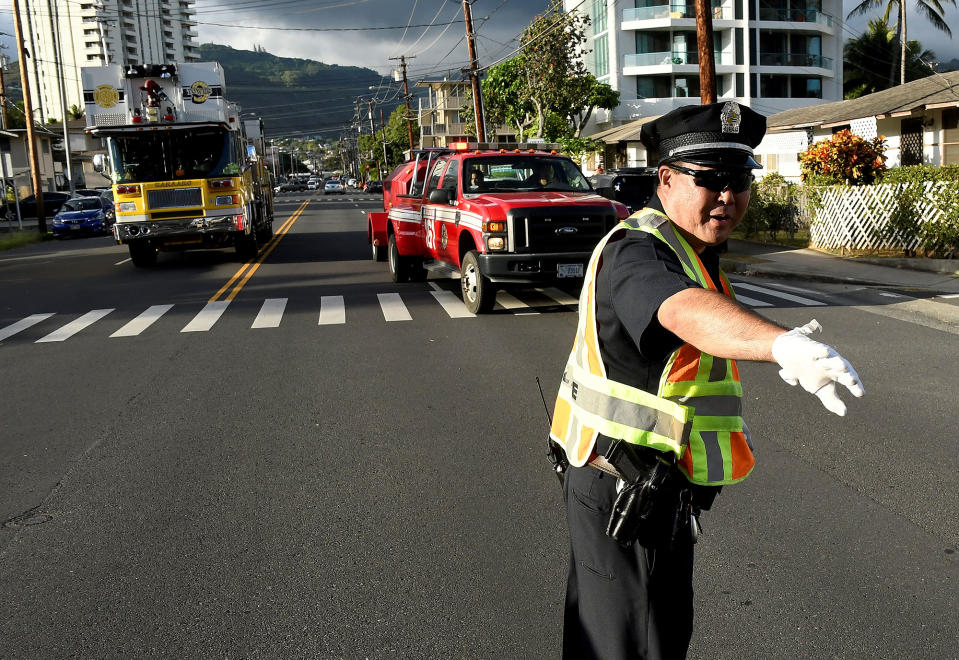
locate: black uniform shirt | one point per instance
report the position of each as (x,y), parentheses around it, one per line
(639,272)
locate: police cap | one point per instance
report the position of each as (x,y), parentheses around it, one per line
(715,135)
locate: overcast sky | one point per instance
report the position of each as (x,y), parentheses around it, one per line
(317,29)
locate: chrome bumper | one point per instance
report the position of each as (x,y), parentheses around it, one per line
(181,227)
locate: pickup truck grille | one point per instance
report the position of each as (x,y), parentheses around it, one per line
(560,229)
(169,198)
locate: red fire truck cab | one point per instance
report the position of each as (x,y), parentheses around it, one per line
(495,216)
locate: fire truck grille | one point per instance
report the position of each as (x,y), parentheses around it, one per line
(174,198)
(569,229)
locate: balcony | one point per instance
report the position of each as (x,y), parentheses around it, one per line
(795,59)
(675,10)
(794,15)
(671,58)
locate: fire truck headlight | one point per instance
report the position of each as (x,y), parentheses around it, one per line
(226,199)
(496,243)
(127,207)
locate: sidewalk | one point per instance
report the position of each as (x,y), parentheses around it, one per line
(748,258)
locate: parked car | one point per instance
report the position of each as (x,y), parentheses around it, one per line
(81,215)
(333,186)
(374,187)
(109,205)
(312,185)
(633,186)
(87,192)
(52,201)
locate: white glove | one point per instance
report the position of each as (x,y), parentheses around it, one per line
(815,366)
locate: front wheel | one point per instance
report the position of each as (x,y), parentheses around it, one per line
(142,254)
(246,245)
(479,293)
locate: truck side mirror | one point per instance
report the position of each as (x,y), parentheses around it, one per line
(99,163)
(440,196)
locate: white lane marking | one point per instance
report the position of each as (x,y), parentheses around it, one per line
(453,305)
(509,301)
(332,310)
(778,294)
(752,302)
(789,287)
(209,315)
(22,324)
(559,296)
(890,295)
(949,295)
(435,286)
(143,321)
(120,263)
(74,327)
(393,308)
(271,313)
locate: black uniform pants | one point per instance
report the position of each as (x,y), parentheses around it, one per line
(621,603)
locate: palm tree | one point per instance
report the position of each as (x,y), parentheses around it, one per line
(931,9)
(867,57)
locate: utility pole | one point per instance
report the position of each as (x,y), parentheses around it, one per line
(704,43)
(28,115)
(4,120)
(406,97)
(480,118)
(386,160)
(58,56)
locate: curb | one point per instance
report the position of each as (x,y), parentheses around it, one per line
(730,265)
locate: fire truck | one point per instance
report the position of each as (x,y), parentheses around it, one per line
(186,172)
(493,216)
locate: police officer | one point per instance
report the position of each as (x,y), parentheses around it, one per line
(651,391)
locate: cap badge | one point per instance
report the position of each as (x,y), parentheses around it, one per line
(731,117)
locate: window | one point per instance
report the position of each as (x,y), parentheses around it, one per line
(653,87)
(436,175)
(599,16)
(809,88)
(773,87)
(450,178)
(950,136)
(601,53)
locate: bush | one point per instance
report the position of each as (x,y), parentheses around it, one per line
(771,207)
(906,217)
(846,158)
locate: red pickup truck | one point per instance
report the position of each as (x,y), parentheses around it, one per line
(495,216)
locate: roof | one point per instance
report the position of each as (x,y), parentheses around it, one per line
(940,90)
(628,132)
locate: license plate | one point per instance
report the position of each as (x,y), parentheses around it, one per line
(74,227)
(569,270)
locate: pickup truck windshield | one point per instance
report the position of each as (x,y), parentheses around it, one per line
(171,155)
(522,173)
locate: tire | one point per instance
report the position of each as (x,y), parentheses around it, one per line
(379,251)
(399,268)
(246,246)
(479,294)
(142,254)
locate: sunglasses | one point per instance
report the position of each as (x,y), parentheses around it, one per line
(737,181)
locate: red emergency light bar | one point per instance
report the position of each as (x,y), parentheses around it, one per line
(502,147)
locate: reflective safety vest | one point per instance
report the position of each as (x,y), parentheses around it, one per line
(696,414)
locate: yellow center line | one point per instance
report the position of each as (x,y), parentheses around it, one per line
(266,252)
(269,248)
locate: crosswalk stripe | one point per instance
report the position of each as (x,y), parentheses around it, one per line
(509,301)
(453,305)
(559,296)
(778,294)
(752,302)
(76,326)
(22,324)
(332,310)
(271,313)
(209,315)
(393,307)
(143,321)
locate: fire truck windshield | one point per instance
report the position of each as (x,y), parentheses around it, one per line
(171,155)
(522,173)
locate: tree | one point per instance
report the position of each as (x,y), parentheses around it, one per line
(584,95)
(552,53)
(75,112)
(931,9)
(868,57)
(506,99)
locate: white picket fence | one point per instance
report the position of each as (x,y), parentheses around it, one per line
(857,217)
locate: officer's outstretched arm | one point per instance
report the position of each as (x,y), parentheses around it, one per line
(720,326)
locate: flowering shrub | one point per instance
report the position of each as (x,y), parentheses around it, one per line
(846,158)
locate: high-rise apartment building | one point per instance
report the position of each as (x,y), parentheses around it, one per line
(96,32)
(772,55)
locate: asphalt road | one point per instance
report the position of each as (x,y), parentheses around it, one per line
(342,481)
